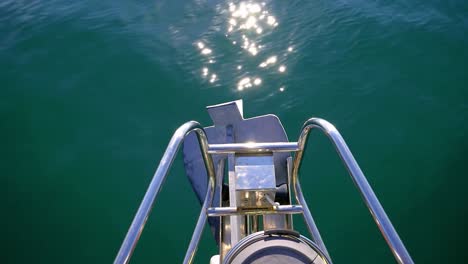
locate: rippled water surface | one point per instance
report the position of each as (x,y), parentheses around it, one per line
(91,92)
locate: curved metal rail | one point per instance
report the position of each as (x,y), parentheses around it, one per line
(146,205)
(377,212)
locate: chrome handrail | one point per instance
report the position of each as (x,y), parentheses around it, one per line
(377,212)
(380,217)
(252,147)
(278,209)
(146,205)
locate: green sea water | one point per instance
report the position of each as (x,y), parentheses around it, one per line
(91,92)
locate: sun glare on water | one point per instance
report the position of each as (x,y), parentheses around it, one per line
(247,23)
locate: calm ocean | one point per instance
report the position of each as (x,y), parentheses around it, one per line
(91,92)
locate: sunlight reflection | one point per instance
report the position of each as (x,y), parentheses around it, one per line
(272,21)
(203,48)
(248,17)
(213,78)
(247,82)
(247,23)
(270,61)
(244,83)
(206,51)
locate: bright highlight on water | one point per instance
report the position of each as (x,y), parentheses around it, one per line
(246,23)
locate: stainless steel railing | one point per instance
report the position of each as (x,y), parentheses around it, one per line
(380,217)
(141,216)
(377,212)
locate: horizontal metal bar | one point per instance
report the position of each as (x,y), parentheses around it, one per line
(281,209)
(253,147)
